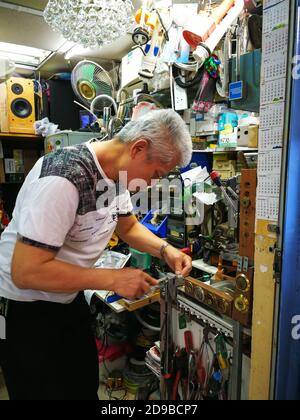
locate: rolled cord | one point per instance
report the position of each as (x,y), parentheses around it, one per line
(145,324)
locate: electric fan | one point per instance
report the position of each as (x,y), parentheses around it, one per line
(90,80)
(7,67)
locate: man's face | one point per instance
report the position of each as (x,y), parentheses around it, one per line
(140,167)
(148,171)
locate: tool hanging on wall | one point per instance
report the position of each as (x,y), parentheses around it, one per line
(205,40)
(169,297)
(203,374)
(204,100)
(146,23)
(152,49)
(204,24)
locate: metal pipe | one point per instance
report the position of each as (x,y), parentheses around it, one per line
(109,98)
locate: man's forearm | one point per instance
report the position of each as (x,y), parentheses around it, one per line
(60,277)
(140,238)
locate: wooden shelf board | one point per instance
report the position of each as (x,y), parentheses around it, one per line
(20,136)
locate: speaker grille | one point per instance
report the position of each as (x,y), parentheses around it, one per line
(21,108)
(17,89)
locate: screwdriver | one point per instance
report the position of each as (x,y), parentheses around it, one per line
(115,298)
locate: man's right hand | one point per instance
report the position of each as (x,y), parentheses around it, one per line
(131,283)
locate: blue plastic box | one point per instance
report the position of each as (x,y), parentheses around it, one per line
(160,230)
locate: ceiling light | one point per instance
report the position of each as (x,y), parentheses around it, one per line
(91,23)
(21,54)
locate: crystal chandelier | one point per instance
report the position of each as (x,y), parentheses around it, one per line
(91,23)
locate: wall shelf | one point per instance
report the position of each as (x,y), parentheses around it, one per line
(20,137)
(227,150)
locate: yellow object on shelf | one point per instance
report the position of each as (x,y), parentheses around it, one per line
(114,241)
(224,165)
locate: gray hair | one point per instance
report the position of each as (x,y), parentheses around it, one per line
(166,133)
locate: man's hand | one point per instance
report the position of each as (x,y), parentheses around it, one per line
(131,283)
(179,262)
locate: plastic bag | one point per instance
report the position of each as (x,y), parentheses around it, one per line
(45,128)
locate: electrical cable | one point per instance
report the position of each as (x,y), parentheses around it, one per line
(145,324)
(193,67)
(111,391)
(163,25)
(187,84)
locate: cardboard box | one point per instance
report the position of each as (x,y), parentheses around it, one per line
(248,136)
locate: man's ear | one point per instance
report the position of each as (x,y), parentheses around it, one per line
(139,148)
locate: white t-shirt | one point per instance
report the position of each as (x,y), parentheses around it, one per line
(66,204)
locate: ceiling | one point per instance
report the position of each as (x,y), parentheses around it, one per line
(33,4)
(19,27)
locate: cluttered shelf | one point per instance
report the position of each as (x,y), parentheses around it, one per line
(226,150)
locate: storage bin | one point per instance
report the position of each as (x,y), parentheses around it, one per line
(140,260)
(159,230)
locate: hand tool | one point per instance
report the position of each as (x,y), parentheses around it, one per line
(115,297)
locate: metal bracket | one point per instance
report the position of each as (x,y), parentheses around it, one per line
(207,317)
(246,264)
(243,264)
(278,265)
(240,264)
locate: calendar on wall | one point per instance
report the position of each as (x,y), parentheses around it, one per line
(275,43)
(275,68)
(272,116)
(269,3)
(272,107)
(269,162)
(270,139)
(276,15)
(267,209)
(268,186)
(273,91)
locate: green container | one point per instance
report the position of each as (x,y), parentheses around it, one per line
(140,260)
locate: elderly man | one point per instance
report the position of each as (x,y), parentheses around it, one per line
(60,227)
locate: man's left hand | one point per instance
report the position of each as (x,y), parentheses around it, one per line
(179,262)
